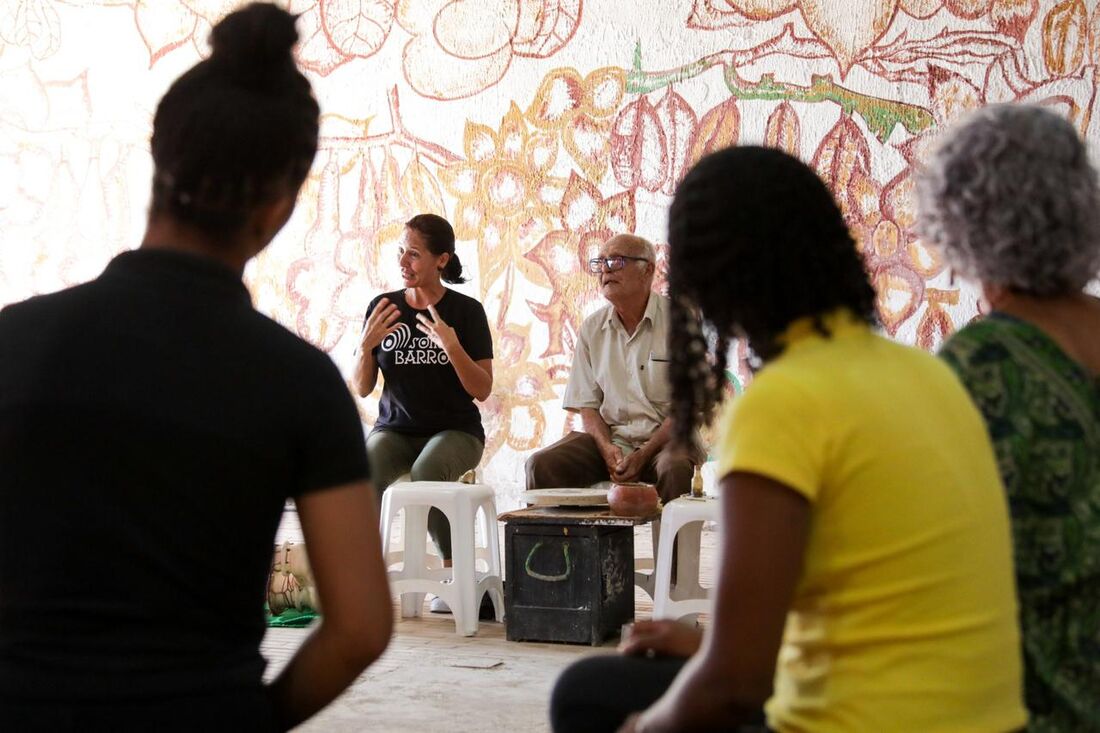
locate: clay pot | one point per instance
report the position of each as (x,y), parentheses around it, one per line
(633,499)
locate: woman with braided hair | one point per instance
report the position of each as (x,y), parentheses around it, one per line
(865,578)
(152,427)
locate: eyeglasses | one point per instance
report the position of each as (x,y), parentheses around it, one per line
(610,264)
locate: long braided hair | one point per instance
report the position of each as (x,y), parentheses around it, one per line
(756,241)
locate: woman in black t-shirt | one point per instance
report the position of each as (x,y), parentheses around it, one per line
(173,446)
(433,346)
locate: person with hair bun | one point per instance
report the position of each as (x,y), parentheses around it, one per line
(1011,199)
(865,570)
(152,427)
(434,349)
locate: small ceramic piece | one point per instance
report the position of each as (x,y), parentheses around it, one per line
(633,499)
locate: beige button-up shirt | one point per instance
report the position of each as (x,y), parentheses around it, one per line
(624,376)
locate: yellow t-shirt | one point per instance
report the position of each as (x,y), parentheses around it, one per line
(904,618)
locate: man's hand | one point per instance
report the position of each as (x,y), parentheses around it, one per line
(665,638)
(612,456)
(631,467)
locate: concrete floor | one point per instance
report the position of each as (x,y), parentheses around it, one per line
(431,679)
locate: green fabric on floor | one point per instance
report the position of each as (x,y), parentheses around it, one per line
(291,618)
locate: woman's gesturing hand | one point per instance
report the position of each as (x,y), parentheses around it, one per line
(381,322)
(437,329)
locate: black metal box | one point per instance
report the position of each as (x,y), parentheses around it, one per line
(568,582)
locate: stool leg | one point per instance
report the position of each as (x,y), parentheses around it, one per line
(663,572)
(496,596)
(492,540)
(464,570)
(385,522)
(414,535)
(646,581)
(492,536)
(481,525)
(688,542)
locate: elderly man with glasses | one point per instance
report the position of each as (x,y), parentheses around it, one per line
(619,384)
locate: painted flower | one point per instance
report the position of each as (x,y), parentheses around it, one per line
(513,414)
(505,194)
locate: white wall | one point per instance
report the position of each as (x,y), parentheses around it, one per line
(538,127)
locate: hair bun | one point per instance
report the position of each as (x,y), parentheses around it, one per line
(253,45)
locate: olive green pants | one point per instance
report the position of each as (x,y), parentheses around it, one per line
(444,456)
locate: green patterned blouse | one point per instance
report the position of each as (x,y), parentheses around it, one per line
(1043,413)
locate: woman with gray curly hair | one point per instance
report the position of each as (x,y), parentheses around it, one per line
(1011,199)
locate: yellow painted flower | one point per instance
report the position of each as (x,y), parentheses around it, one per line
(504,192)
(513,414)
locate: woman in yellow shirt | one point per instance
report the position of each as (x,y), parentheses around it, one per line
(866,577)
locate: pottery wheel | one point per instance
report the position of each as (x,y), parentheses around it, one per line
(565,497)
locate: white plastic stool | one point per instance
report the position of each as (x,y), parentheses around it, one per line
(462,585)
(682,524)
(645,568)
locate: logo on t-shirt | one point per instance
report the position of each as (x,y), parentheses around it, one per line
(413,350)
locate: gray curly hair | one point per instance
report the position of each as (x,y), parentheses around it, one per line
(1010,198)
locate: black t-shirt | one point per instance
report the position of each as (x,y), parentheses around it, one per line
(422,394)
(152,425)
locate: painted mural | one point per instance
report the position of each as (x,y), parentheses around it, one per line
(538,128)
